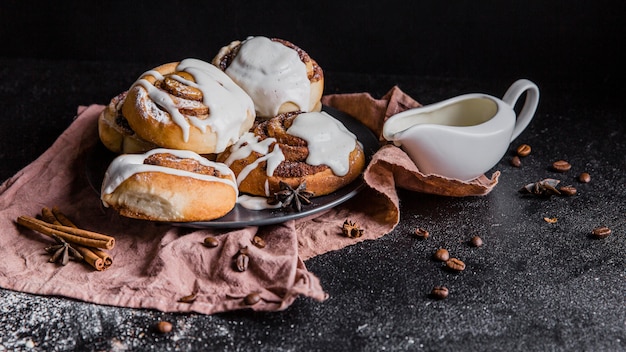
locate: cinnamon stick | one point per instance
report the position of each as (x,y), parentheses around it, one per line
(98,259)
(48,216)
(61,218)
(68,233)
(91,257)
(106,258)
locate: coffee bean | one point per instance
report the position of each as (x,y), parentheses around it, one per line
(188,299)
(252,299)
(561,166)
(439,292)
(421,233)
(516,161)
(476,241)
(242,262)
(442,255)
(601,232)
(455,264)
(584,177)
(551,220)
(258,241)
(567,190)
(211,242)
(164,327)
(523,150)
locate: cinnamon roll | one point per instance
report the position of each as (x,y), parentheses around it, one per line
(294,148)
(279,76)
(189,105)
(114,131)
(169,185)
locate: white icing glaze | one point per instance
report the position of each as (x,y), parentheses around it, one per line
(272,74)
(328,140)
(256,203)
(124,166)
(228,103)
(249,143)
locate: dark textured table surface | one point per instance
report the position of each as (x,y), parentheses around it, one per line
(533,286)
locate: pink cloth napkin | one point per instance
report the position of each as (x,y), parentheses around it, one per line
(157,264)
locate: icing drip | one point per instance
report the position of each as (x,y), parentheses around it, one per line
(228,103)
(249,143)
(328,140)
(272,74)
(125,166)
(256,203)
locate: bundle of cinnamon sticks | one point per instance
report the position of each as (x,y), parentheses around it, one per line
(90,245)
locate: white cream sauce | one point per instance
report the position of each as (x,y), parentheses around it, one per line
(329,141)
(127,165)
(272,74)
(256,203)
(228,103)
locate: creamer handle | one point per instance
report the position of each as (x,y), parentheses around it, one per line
(530,104)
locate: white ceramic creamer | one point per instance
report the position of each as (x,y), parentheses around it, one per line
(465,136)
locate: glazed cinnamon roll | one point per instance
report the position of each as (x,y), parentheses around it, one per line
(295,147)
(114,131)
(169,185)
(190,105)
(279,76)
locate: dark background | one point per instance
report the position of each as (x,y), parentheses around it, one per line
(534,286)
(573,44)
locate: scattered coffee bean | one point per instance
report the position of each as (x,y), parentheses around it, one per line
(476,241)
(455,264)
(211,242)
(601,232)
(421,233)
(242,261)
(258,241)
(516,161)
(188,299)
(164,327)
(439,292)
(252,299)
(550,220)
(567,190)
(523,150)
(442,255)
(584,177)
(561,166)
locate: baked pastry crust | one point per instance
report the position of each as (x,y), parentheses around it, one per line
(252,169)
(314,74)
(169,185)
(188,105)
(114,131)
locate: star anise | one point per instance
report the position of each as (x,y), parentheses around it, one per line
(545,188)
(293,197)
(351,229)
(62,251)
